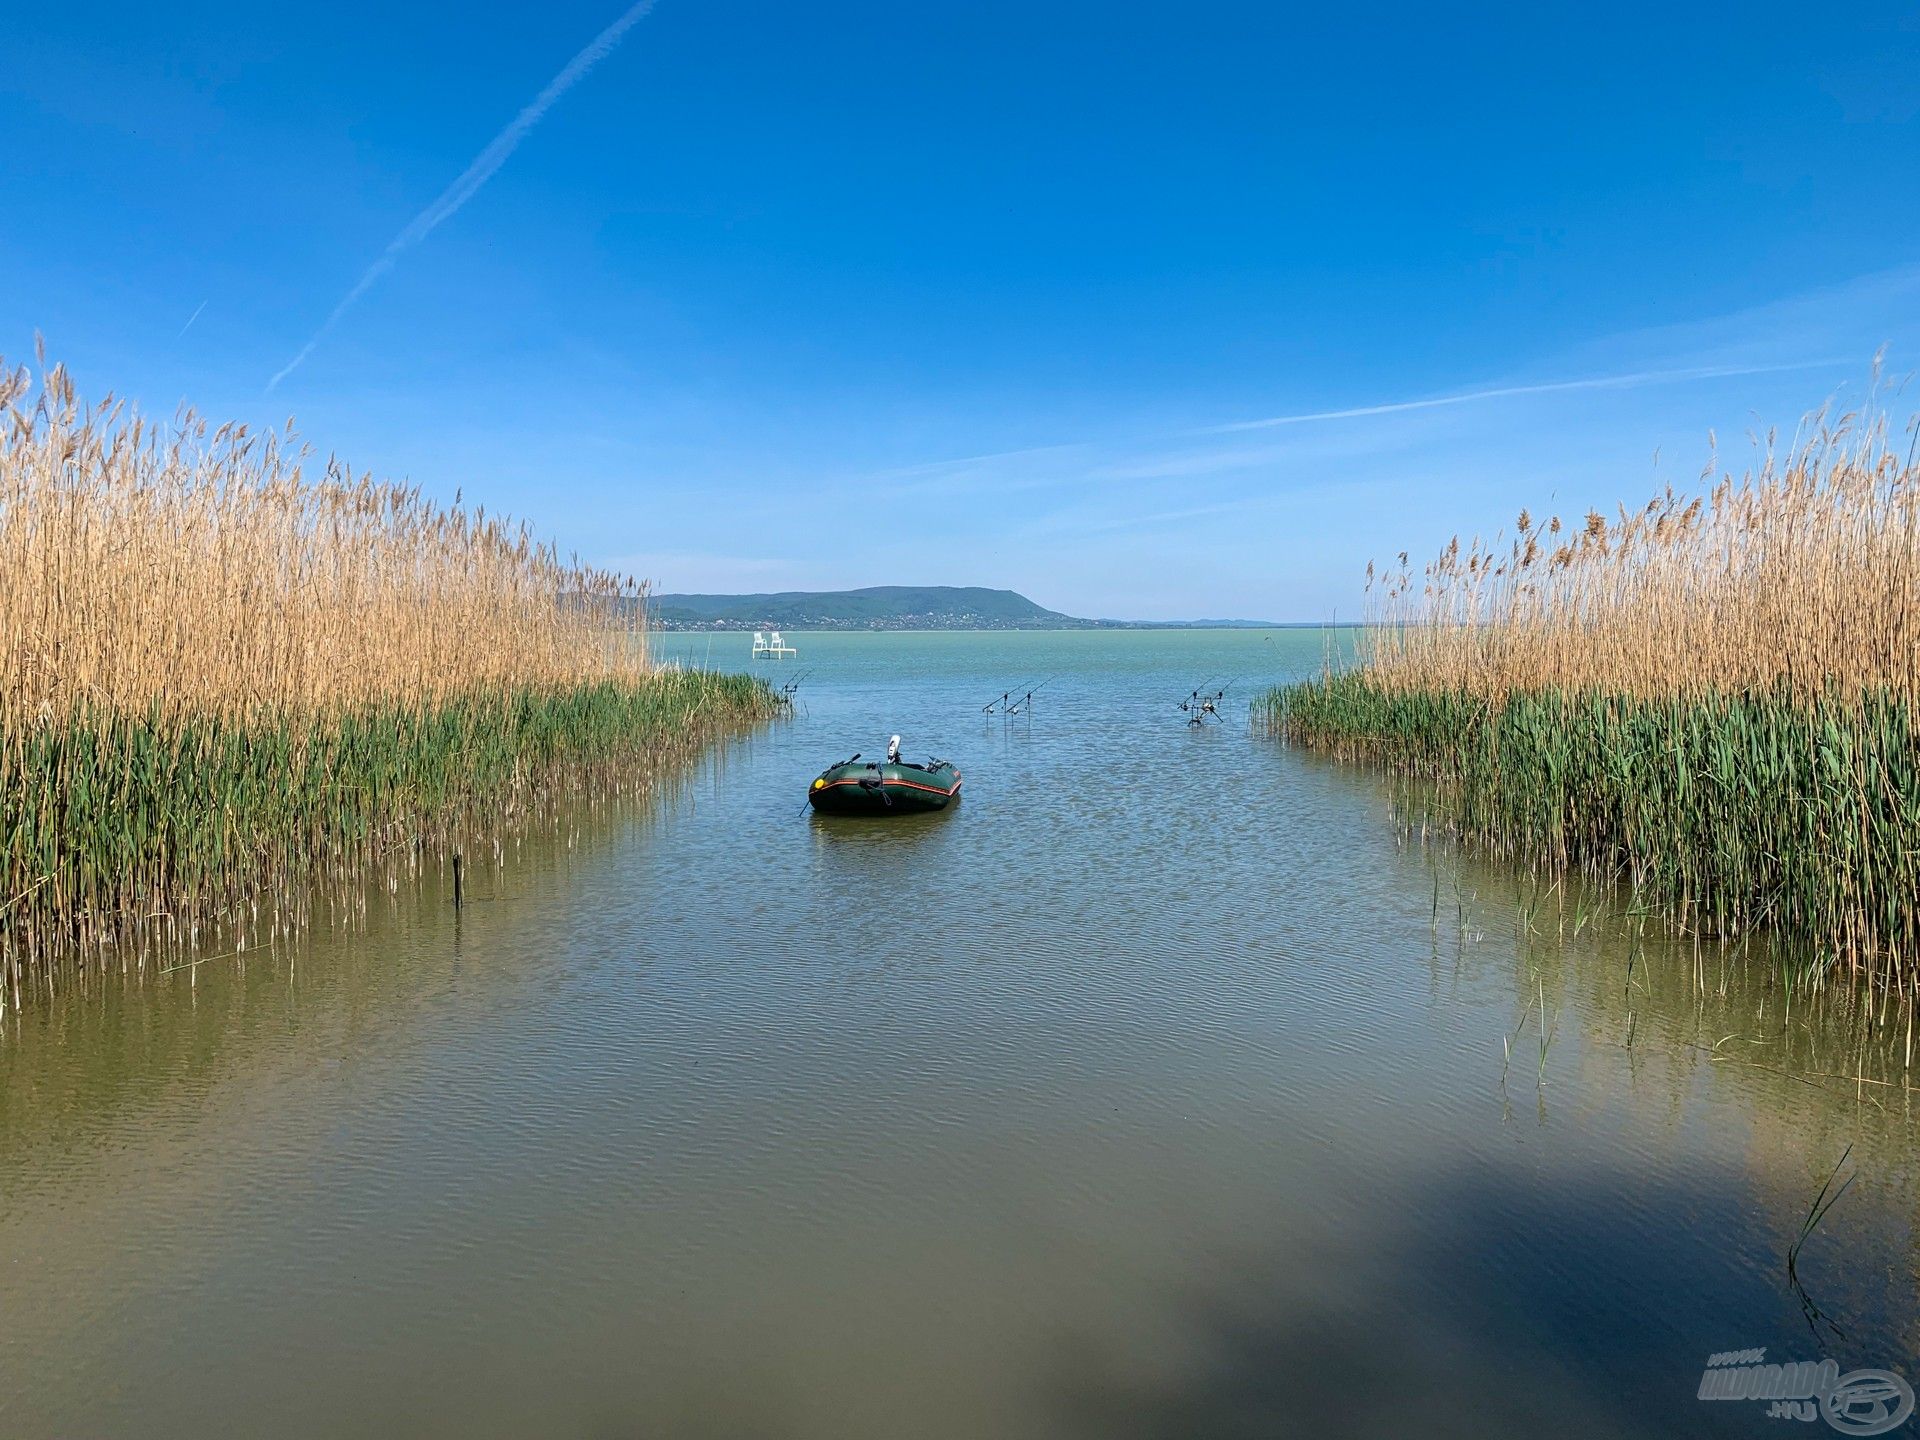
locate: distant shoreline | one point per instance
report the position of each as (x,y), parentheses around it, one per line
(898,607)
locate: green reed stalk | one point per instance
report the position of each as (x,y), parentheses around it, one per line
(117,824)
(1726,812)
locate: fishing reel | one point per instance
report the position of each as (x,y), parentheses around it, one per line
(1203,705)
(1013,702)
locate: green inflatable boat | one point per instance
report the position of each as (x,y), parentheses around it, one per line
(894,788)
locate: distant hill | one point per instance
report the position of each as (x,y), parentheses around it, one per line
(879,607)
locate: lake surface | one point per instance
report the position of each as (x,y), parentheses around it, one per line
(1155,1089)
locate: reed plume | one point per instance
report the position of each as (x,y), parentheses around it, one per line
(1799,578)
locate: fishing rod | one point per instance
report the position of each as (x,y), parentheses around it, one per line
(1026,700)
(1193,697)
(787,690)
(1199,707)
(1000,702)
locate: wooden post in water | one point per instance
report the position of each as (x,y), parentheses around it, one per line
(456,880)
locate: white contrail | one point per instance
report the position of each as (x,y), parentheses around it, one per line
(478,173)
(1598,382)
(191,318)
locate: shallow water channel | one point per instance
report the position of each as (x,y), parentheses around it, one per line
(1157,1088)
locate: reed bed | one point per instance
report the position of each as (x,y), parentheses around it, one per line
(228,673)
(1711,700)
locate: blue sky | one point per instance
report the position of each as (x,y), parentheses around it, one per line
(780,296)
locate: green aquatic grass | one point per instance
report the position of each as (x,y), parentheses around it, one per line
(1728,813)
(114,826)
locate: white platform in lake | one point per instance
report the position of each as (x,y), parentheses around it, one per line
(770,646)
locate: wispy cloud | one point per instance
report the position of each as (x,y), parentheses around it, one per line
(475,175)
(987,459)
(1202,462)
(1099,519)
(673,571)
(1121,459)
(1504,392)
(1076,523)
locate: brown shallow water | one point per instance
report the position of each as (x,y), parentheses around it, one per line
(1150,1091)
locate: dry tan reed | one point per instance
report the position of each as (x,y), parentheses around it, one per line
(145,564)
(1801,576)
